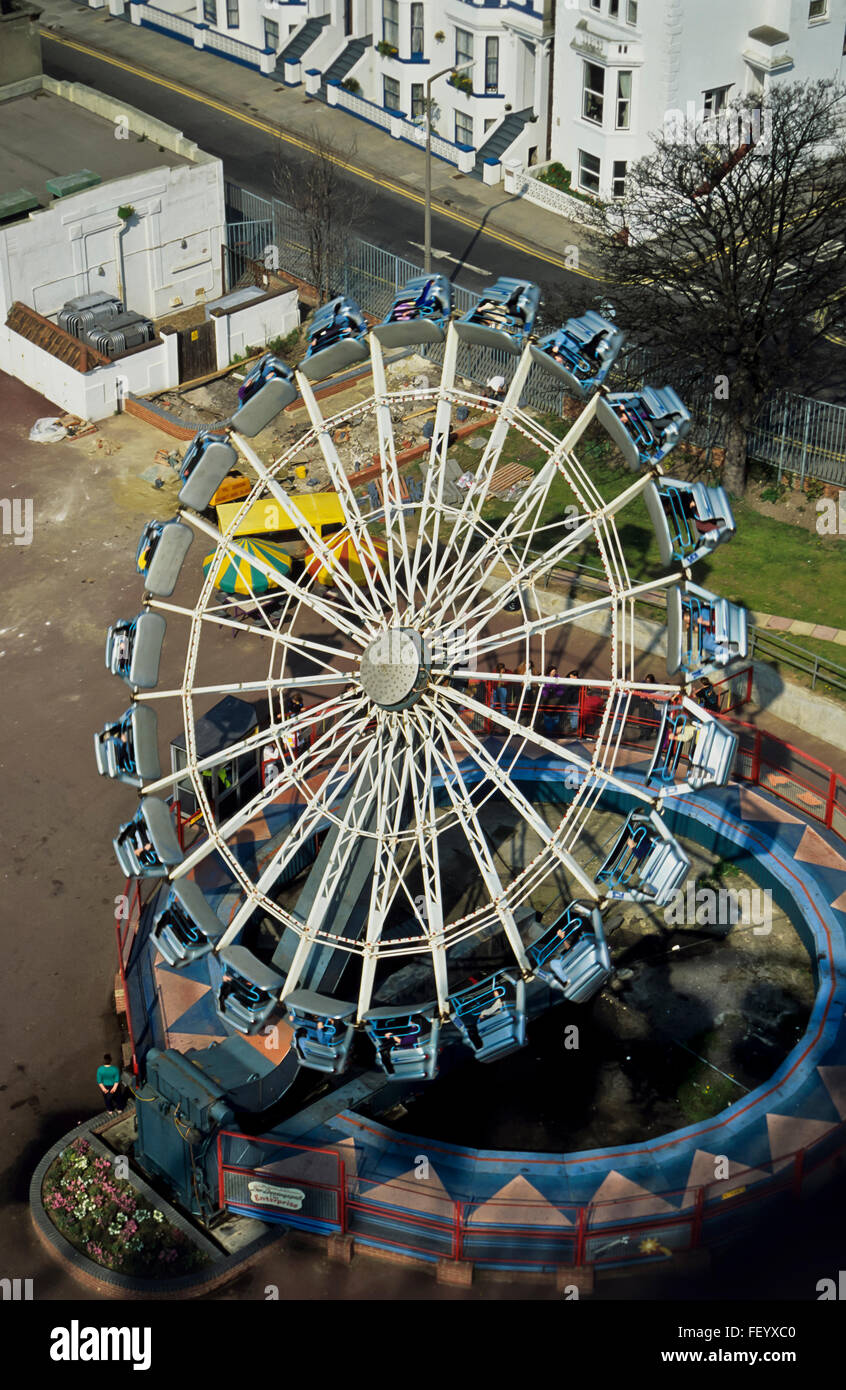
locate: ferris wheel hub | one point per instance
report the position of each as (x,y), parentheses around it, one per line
(393,670)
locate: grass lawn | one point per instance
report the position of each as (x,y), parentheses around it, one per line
(770,566)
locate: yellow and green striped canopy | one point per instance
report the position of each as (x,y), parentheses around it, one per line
(238,576)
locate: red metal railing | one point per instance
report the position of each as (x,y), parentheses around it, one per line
(411,1217)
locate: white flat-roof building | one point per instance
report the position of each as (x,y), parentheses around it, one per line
(69,160)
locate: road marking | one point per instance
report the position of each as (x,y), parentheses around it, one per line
(279,134)
(448,256)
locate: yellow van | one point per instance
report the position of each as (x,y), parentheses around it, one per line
(322,510)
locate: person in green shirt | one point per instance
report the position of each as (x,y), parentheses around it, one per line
(108,1079)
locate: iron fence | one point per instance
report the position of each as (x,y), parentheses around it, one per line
(803,436)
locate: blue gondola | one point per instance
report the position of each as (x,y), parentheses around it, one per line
(690,519)
(645,425)
(419,314)
(134,648)
(491,1015)
(187,927)
(572,955)
(266,389)
(704,632)
(208,459)
(323,1029)
(646,863)
(406,1043)
(128,750)
(146,846)
(504,316)
(581,353)
(690,735)
(250,990)
(337,340)
(161,551)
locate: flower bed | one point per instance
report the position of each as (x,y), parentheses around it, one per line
(105,1218)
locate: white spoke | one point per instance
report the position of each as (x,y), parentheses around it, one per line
(367,787)
(303,829)
(358,602)
(302,594)
(461,734)
(329,743)
(479,848)
(355,522)
(561,751)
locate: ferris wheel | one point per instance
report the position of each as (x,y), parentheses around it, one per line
(408,672)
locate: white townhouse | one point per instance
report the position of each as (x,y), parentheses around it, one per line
(583,82)
(378,54)
(623,67)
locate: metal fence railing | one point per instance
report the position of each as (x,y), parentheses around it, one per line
(769,646)
(803,436)
(309,1189)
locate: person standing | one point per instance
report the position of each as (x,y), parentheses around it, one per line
(108,1079)
(550,695)
(499,690)
(574,708)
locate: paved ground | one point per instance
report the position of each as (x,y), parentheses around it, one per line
(239,115)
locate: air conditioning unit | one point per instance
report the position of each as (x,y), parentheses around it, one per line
(87,311)
(125,331)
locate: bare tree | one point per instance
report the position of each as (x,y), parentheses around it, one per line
(731,253)
(330,205)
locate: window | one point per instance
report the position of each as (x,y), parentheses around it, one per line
(391,93)
(489,121)
(613,9)
(618,183)
(492,64)
(593,93)
(210,11)
(232,20)
(418,101)
(463,128)
(589,167)
(463,48)
(390,22)
(818,9)
(417,31)
(596,4)
(271,34)
(624,100)
(631,11)
(715,101)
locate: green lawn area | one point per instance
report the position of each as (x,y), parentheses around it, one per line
(771,566)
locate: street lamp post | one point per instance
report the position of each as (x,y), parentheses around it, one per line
(427,225)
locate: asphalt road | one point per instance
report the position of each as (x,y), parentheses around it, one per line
(467,257)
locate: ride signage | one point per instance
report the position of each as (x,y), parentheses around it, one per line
(264,1194)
